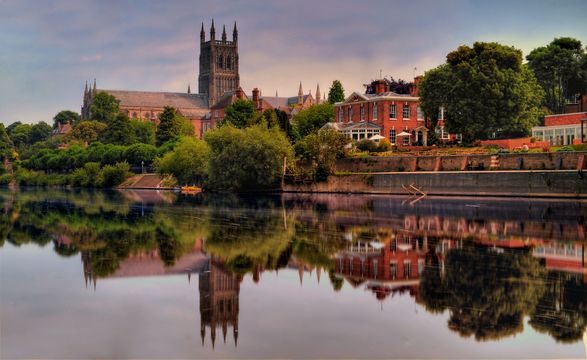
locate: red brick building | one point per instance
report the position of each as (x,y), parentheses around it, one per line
(397,117)
(563,129)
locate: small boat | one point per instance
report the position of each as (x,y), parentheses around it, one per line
(190,190)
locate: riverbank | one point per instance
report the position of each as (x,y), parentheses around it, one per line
(525,183)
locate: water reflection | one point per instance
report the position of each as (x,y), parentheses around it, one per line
(489,264)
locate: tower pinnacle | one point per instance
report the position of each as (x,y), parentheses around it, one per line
(212,31)
(223,32)
(234,33)
(202,33)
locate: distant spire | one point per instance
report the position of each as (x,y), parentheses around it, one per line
(300,92)
(189,89)
(212,31)
(318,93)
(86,88)
(301,273)
(94,90)
(276,93)
(234,33)
(202,33)
(223,32)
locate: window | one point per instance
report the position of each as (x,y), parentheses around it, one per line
(406,140)
(220,61)
(229,62)
(340,114)
(393,269)
(350,114)
(420,113)
(406,114)
(392,112)
(392,136)
(407,269)
(362,112)
(375,114)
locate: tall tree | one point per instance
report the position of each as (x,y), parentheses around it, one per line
(239,114)
(170,125)
(66,116)
(39,132)
(145,131)
(5,142)
(336,92)
(557,67)
(104,107)
(119,131)
(310,120)
(88,131)
(485,90)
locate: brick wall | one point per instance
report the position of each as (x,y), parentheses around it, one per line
(564,119)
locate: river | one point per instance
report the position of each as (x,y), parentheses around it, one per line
(148,274)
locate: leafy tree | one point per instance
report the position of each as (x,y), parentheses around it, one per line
(11,127)
(246,159)
(88,131)
(485,90)
(323,147)
(20,135)
(187,128)
(310,120)
(137,153)
(336,92)
(144,131)
(119,131)
(170,125)
(113,175)
(188,162)
(239,114)
(557,67)
(104,107)
(66,116)
(5,142)
(39,132)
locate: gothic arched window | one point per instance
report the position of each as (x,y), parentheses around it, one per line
(229,62)
(220,61)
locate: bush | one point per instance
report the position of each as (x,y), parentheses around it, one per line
(136,153)
(5,179)
(188,163)
(384,145)
(565,148)
(113,175)
(87,176)
(367,145)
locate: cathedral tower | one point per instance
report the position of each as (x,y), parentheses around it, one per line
(218,64)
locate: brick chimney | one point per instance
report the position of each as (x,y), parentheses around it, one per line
(256,97)
(414,88)
(380,86)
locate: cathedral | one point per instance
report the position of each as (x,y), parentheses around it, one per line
(219,73)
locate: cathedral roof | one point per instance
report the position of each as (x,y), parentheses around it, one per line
(159,99)
(281,102)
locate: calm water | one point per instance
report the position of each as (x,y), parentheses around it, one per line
(156,275)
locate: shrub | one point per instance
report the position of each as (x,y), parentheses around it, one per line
(113,175)
(5,179)
(367,145)
(136,153)
(188,162)
(565,148)
(384,145)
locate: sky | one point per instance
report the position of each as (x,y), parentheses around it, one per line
(50,48)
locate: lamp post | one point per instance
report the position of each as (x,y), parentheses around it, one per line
(142,167)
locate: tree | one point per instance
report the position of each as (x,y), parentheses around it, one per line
(557,67)
(66,116)
(323,147)
(104,107)
(20,135)
(138,154)
(485,91)
(144,132)
(239,114)
(312,119)
(188,162)
(39,132)
(5,142)
(88,131)
(247,159)
(170,125)
(336,92)
(11,127)
(119,131)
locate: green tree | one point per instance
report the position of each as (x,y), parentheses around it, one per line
(5,142)
(88,131)
(20,135)
(485,90)
(39,132)
(11,127)
(140,153)
(557,67)
(336,92)
(323,148)
(188,162)
(246,159)
(144,132)
(312,119)
(239,114)
(170,125)
(66,116)
(104,107)
(119,131)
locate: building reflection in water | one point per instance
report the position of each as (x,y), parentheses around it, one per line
(219,300)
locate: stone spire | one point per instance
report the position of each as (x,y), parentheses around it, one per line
(318,93)
(234,33)
(223,32)
(300,94)
(276,93)
(94,89)
(86,89)
(212,31)
(189,89)
(202,33)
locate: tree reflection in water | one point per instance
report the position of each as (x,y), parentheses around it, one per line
(487,279)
